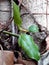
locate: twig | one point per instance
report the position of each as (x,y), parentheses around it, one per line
(8,22)
(12,27)
(4,10)
(20,2)
(24,14)
(32,16)
(43,51)
(5,26)
(13,31)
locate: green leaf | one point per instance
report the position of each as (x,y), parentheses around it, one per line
(34,28)
(16,14)
(28,45)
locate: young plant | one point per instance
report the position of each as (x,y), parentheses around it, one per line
(25,41)
(27,44)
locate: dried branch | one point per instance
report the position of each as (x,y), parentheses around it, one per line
(5,26)
(20,2)
(8,23)
(39,25)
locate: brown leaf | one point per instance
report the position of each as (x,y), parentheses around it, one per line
(47,42)
(18,64)
(25,62)
(20,60)
(6,58)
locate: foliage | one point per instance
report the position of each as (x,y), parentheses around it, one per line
(34,28)
(28,45)
(16,14)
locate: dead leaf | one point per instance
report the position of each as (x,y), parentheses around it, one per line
(25,62)
(47,42)
(20,60)
(6,58)
(18,64)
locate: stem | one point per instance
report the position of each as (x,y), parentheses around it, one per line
(12,34)
(21,29)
